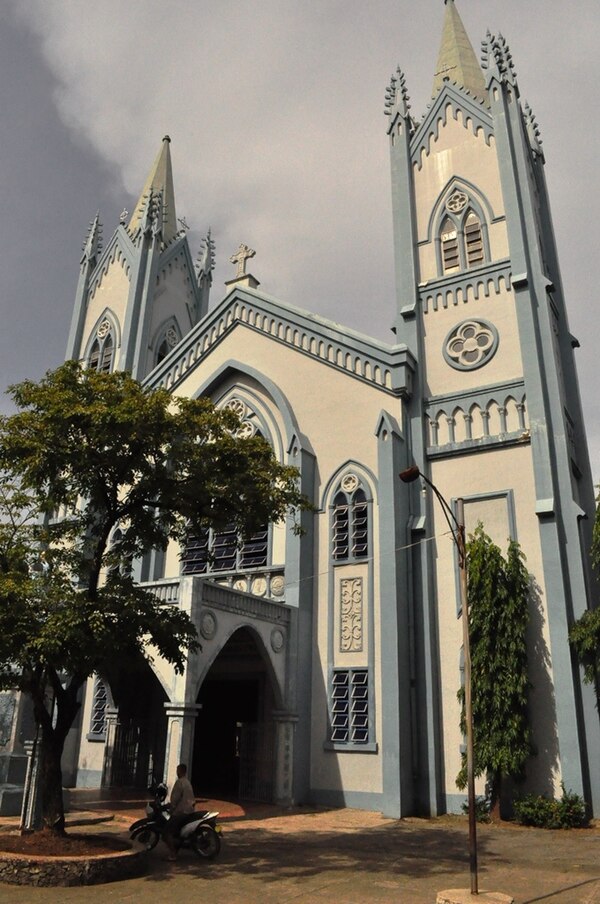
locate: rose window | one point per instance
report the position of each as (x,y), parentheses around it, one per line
(471,344)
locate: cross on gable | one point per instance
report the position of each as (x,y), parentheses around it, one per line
(240,257)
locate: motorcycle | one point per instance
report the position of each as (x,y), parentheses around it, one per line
(199,830)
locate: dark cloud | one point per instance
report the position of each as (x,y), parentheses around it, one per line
(275,110)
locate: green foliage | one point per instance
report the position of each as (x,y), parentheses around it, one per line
(585,633)
(569,812)
(96,470)
(498,595)
(585,639)
(482,809)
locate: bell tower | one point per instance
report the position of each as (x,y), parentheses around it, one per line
(137,298)
(495,416)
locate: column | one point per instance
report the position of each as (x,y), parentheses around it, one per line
(285,724)
(180,738)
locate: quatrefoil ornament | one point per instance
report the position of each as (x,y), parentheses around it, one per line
(471,344)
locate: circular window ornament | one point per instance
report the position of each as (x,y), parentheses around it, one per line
(349,483)
(172,337)
(104,329)
(456,202)
(471,344)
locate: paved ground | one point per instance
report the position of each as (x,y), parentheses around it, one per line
(344,857)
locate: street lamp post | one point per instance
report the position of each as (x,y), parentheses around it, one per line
(456,523)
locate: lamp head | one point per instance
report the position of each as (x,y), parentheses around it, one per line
(410,474)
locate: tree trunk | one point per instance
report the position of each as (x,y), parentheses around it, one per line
(50,779)
(54,726)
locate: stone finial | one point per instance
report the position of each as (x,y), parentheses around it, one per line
(396,95)
(239,259)
(205,262)
(93,242)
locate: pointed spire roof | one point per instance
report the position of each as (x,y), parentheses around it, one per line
(159,183)
(457,61)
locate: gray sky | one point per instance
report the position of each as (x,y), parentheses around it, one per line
(275,110)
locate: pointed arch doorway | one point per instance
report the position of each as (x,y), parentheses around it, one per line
(235,738)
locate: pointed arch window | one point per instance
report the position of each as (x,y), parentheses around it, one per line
(350,521)
(102,352)
(168,341)
(225,550)
(462,236)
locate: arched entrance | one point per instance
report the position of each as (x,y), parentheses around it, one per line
(135,749)
(234,740)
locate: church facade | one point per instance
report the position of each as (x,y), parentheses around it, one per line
(331,661)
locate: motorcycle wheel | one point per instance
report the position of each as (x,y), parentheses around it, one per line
(206,843)
(146,836)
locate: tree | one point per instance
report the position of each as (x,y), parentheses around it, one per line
(585,632)
(97,471)
(498,595)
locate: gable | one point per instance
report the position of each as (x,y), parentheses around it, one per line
(388,368)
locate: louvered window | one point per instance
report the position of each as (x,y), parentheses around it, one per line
(450,252)
(101,355)
(99,703)
(220,551)
(473,240)
(349,715)
(341,529)
(461,235)
(350,527)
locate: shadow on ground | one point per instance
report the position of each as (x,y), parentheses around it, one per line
(393,850)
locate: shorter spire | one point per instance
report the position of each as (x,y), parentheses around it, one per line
(158,183)
(457,61)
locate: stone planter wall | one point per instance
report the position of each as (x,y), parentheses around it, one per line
(23,869)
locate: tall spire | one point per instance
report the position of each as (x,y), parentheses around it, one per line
(159,184)
(457,61)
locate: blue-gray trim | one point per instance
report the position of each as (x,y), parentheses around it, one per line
(338,797)
(270,429)
(397,625)
(454,288)
(390,368)
(232,367)
(459,183)
(454,803)
(89,778)
(459,99)
(512,529)
(578,729)
(299,577)
(338,571)
(428,746)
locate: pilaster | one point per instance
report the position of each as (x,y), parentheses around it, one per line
(299,578)
(558,513)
